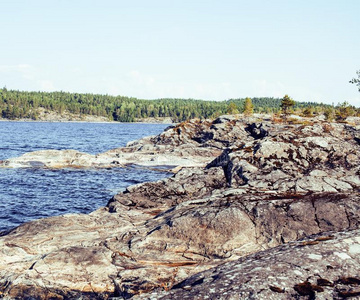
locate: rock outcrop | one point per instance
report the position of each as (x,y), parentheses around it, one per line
(290,230)
(191,143)
(320,267)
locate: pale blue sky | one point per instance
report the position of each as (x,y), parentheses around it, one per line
(212,50)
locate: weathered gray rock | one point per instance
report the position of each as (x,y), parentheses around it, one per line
(187,236)
(324,266)
(142,247)
(51,159)
(177,146)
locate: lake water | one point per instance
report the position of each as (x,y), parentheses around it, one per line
(27,194)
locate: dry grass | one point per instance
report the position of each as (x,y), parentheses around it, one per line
(351,123)
(327,127)
(276,119)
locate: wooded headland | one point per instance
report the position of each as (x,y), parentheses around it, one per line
(16,105)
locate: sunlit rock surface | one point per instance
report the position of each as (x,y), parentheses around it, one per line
(286,226)
(320,267)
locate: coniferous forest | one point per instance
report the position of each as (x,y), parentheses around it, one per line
(25,105)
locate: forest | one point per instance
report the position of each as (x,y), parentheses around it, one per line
(16,104)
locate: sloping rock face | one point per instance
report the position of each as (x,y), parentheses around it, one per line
(130,252)
(320,267)
(195,234)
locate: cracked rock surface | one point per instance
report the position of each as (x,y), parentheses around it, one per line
(319,267)
(290,231)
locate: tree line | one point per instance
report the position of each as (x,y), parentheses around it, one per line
(22,104)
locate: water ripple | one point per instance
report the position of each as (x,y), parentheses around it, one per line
(28,194)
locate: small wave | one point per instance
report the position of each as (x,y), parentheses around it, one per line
(27,194)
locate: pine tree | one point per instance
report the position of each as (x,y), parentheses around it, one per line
(286,104)
(232,109)
(248,107)
(356,80)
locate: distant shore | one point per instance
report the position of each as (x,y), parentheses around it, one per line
(44,115)
(91,119)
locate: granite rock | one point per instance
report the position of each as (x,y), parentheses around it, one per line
(290,231)
(324,266)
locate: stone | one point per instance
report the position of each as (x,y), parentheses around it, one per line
(338,184)
(318,173)
(271,149)
(312,183)
(105,250)
(52,159)
(307,268)
(317,141)
(224,119)
(291,230)
(257,131)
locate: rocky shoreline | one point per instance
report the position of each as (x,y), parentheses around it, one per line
(50,116)
(256,209)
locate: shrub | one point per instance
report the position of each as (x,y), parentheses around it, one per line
(343,111)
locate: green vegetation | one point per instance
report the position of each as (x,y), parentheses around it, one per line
(18,104)
(286,105)
(248,107)
(356,81)
(232,109)
(329,114)
(343,111)
(21,104)
(308,112)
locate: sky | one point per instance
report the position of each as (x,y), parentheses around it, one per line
(210,50)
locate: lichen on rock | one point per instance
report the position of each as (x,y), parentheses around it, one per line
(290,230)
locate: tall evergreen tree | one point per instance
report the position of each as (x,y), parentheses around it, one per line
(248,107)
(232,108)
(286,104)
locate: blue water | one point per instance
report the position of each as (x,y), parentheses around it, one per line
(28,194)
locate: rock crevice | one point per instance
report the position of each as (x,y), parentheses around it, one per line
(290,230)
